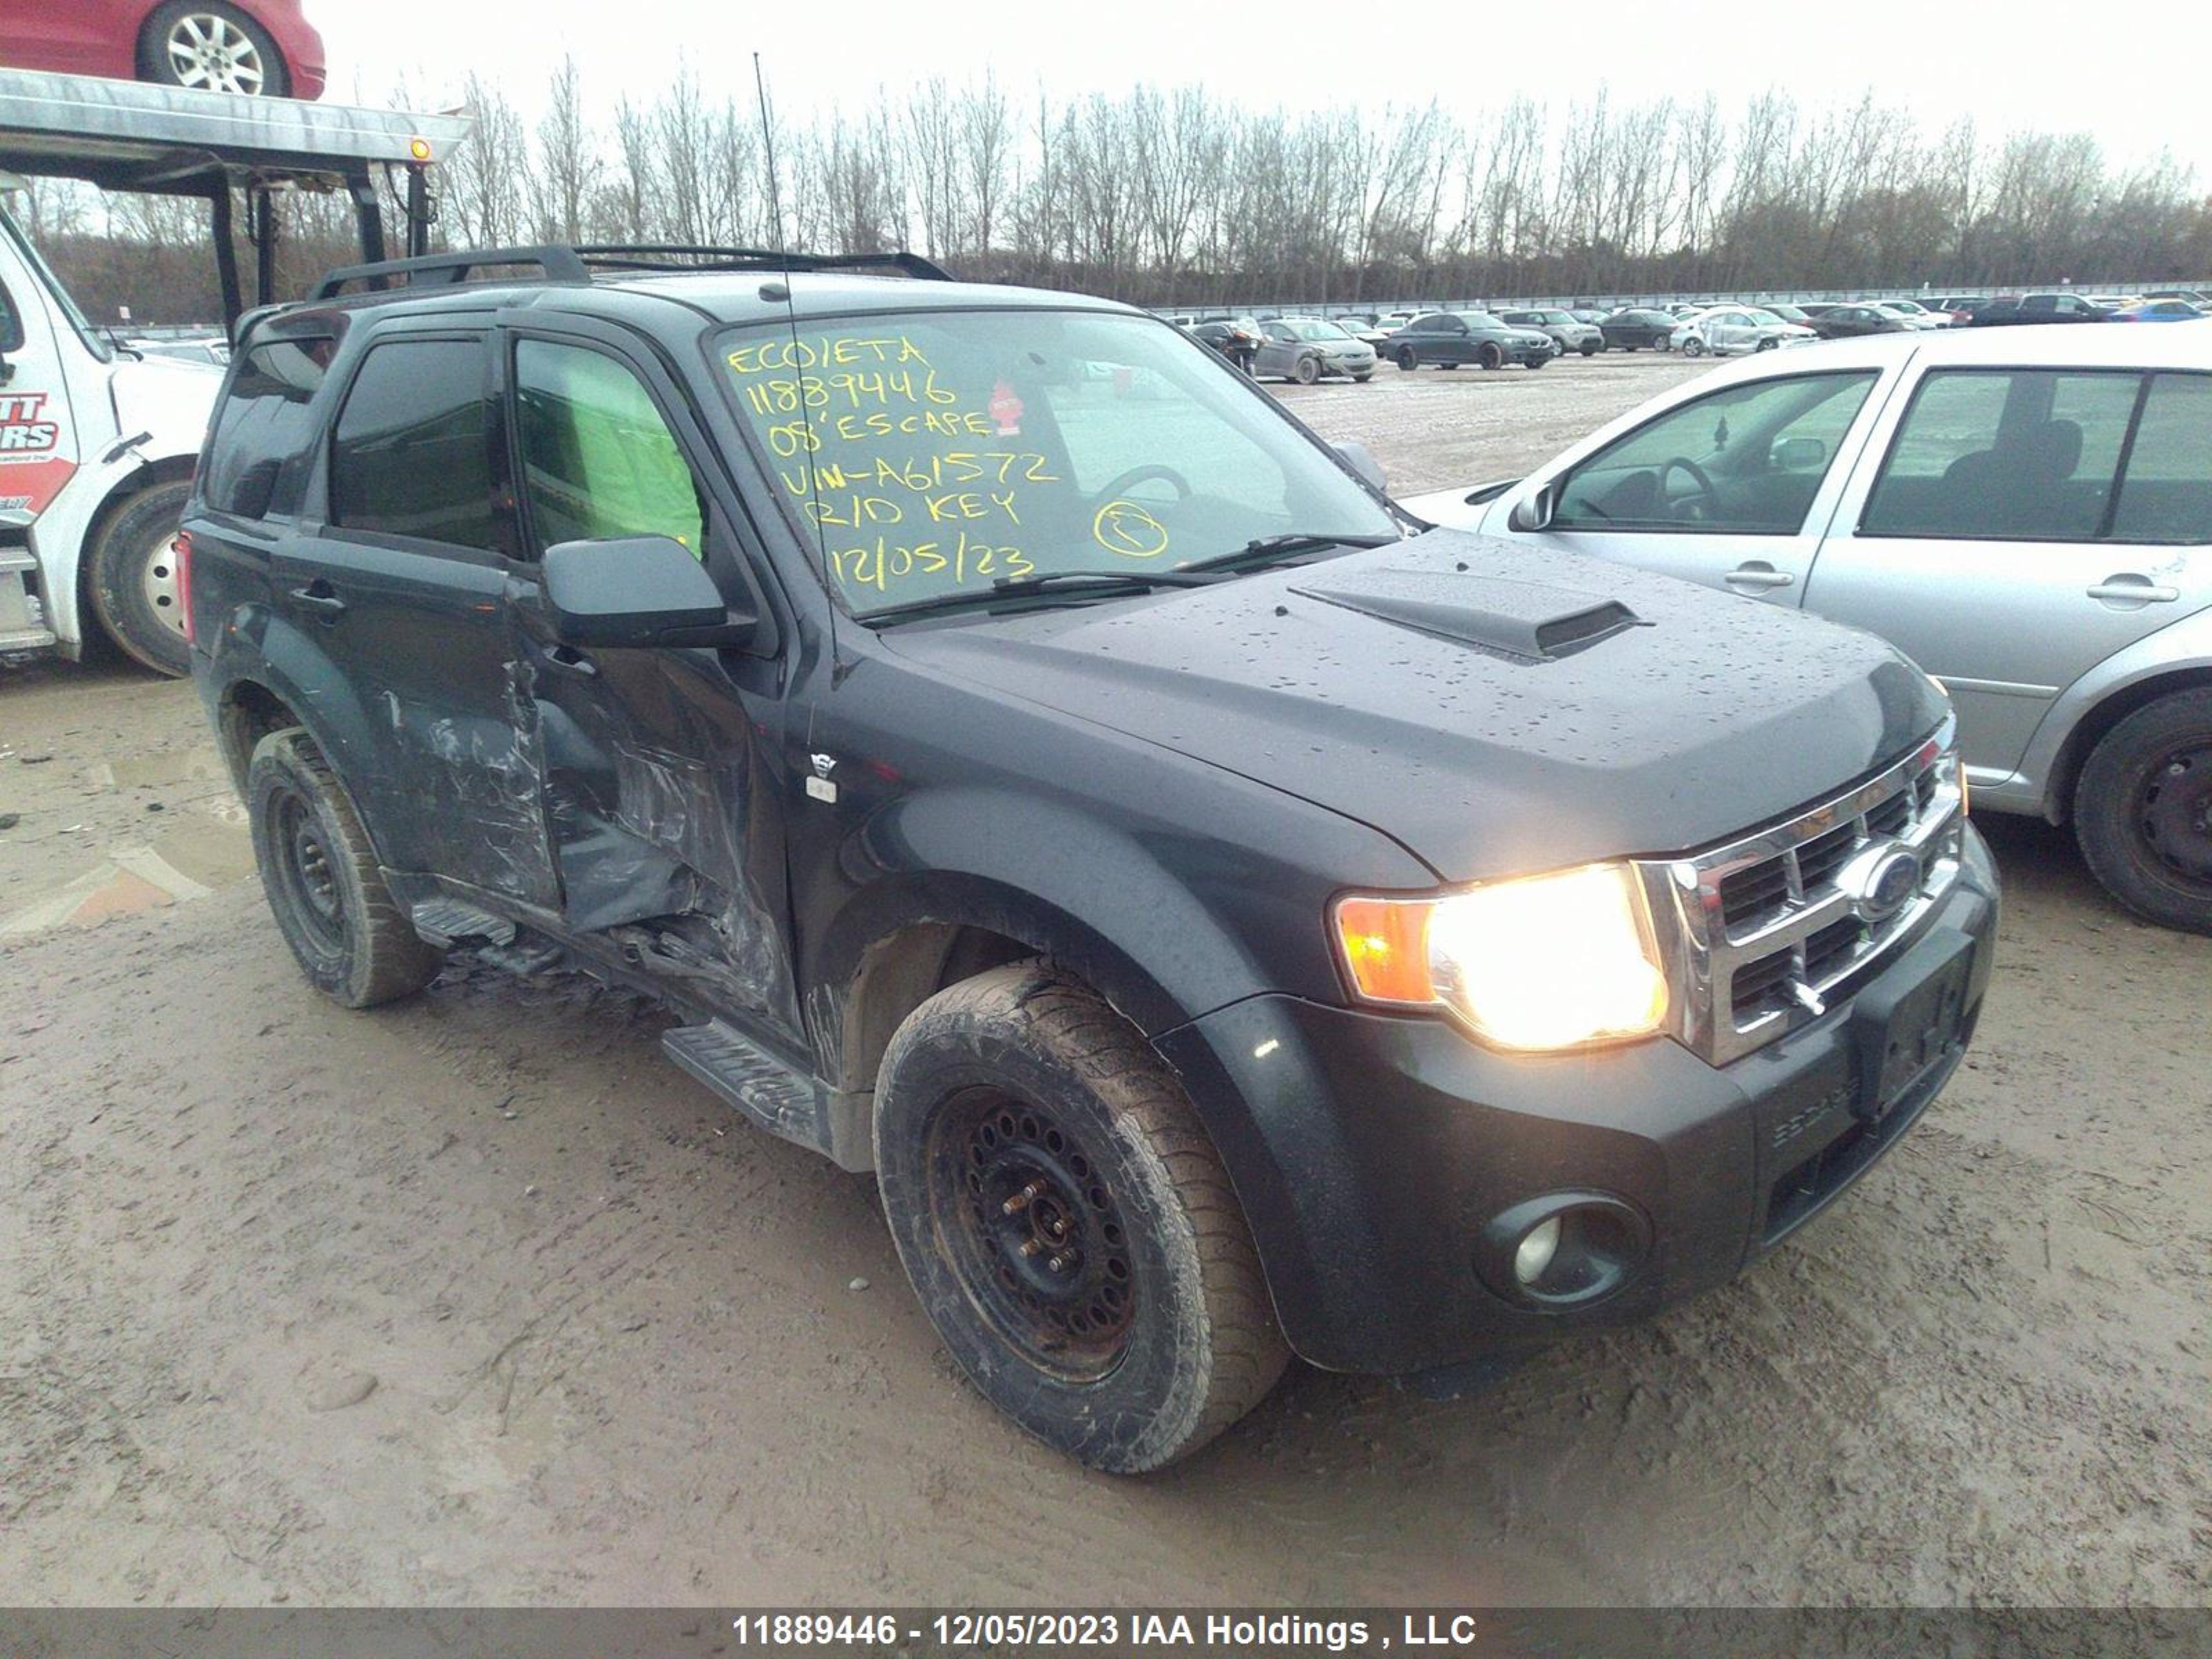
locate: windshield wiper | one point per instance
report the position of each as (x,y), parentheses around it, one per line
(1255,555)
(1101,584)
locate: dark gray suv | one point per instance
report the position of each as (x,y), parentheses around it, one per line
(1227,918)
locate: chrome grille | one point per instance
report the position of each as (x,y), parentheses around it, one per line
(1759,932)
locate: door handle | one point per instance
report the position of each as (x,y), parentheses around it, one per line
(319,597)
(1759,575)
(2135,590)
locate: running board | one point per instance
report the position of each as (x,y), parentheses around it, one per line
(446,922)
(773,1095)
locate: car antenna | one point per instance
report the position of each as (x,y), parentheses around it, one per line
(772,291)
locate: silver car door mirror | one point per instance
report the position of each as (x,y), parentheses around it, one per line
(1533,511)
(1361,460)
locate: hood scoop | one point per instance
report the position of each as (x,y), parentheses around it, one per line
(1532,622)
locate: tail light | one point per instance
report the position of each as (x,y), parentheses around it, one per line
(180,555)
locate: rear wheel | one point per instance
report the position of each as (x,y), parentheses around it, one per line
(212,46)
(1591,347)
(132,573)
(1694,347)
(1364,379)
(321,873)
(2142,811)
(1067,1223)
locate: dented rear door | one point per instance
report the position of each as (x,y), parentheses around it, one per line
(397,600)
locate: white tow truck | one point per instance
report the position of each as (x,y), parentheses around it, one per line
(97,444)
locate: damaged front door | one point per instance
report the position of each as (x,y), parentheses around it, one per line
(667,835)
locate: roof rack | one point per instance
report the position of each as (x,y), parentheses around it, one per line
(563,264)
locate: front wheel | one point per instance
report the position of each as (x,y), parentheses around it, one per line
(1406,360)
(1067,1223)
(1492,356)
(2142,811)
(1591,347)
(132,572)
(1307,371)
(353,941)
(1364,379)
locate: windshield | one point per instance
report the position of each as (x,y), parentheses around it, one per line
(1480,319)
(940,452)
(1317,331)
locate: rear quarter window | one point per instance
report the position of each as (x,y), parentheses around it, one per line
(264,423)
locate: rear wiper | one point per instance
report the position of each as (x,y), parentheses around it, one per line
(1268,549)
(1073,583)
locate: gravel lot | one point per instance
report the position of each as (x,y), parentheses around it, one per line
(474,1299)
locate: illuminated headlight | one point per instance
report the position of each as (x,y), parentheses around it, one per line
(1545,962)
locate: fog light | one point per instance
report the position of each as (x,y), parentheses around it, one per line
(1563,1250)
(1538,1246)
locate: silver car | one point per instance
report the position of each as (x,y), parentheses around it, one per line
(1727,329)
(1309,349)
(1570,330)
(2029,519)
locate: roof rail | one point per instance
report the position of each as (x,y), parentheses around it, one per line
(559,263)
(686,256)
(563,264)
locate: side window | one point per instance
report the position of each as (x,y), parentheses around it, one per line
(1745,461)
(597,460)
(11,323)
(413,452)
(263,424)
(2167,495)
(2012,454)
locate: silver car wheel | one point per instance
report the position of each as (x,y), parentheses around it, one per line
(214,54)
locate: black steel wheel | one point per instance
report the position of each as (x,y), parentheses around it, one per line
(1039,1241)
(2142,810)
(1406,360)
(1067,1223)
(322,880)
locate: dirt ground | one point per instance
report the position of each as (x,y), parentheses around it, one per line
(475,1299)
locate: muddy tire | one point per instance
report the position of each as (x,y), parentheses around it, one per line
(2142,811)
(133,578)
(1067,1223)
(321,873)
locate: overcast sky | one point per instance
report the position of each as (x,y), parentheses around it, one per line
(2134,79)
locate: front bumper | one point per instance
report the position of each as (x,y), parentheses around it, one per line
(1369,1151)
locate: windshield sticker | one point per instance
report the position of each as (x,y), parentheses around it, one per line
(1006,410)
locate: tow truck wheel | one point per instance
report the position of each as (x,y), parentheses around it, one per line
(321,873)
(1068,1224)
(214,47)
(133,578)
(2142,811)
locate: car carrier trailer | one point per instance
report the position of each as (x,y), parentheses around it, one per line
(97,446)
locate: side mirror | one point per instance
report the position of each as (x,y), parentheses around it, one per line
(1534,512)
(1798,454)
(640,592)
(1361,459)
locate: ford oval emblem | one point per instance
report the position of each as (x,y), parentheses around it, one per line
(1890,883)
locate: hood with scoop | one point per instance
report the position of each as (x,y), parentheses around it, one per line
(1495,709)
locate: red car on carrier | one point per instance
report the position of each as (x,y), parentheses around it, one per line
(265,48)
